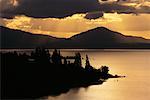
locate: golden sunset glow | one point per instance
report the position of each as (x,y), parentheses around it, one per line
(75,49)
(134,24)
(134,4)
(66,27)
(14,2)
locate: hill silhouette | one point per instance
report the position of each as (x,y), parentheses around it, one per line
(103,34)
(99,37)
(19,39)
(102,37)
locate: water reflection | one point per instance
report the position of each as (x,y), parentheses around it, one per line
(135,65)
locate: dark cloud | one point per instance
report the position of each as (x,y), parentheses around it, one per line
(52,8)
(63,8)
(104,0)
(115,7)
(94,15)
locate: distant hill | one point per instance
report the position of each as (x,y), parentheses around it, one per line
(11,38)
(99,37)
(102,37)
(102,34)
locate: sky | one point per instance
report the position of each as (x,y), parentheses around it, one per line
(65,18)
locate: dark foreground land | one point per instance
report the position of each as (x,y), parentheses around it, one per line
(40,74)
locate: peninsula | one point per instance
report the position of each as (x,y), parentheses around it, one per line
(40,74)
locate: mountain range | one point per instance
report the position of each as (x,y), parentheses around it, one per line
(99,37)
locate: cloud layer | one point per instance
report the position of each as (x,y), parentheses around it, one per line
(50,8)
(64,8)
(128,24)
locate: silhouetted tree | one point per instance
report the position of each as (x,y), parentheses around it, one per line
(87,61)
(77,61)
(65,61)
(88,67)
(56,57)
(41,55)
(104,69)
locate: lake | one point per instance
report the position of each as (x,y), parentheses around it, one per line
(134,64)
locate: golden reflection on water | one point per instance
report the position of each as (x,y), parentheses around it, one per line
(136,86)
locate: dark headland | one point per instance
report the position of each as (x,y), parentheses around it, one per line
(41,74)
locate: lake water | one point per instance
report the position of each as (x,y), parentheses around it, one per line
(135,64)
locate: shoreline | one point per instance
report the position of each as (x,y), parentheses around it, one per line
(40,74)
